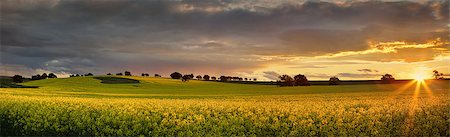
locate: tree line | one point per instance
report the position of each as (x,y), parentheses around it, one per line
(284,80)
(187,77)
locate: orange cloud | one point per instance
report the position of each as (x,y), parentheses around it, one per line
(397,51)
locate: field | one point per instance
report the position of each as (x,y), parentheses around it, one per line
(85,106)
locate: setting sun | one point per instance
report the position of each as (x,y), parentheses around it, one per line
(419,77)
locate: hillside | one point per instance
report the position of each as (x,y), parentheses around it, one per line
(151,86)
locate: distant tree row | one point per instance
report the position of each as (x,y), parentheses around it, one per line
(127,73)
(234,78)
(298,80)
(78,75)
(301,80)
(187,77)
(148,75)
(43,76)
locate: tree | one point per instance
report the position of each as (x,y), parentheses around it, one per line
(206,77)
(176,75)
(51,75)
(144,74)
(44,76)
(254,79)
(224,78)
(17,79)
(77,75)
(213,78)
(191,76)
(119,74)
(301,80)
(333,81)
(127,73)
(245,79)
(89,74)
(186,78)
(286,80)
(36,77)
(387,78)
(438,75)
(199,77)
(157,75)
(109,74)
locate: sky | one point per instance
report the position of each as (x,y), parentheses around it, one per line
(351,39)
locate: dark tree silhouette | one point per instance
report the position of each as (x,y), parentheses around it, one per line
(199,77)
(119,74)
(145,74)
(44,76)
(109,74)
(186,78)
(387,78)
(17,79)
(127,73)
(286,80)
(301,80)
(157,75)
(254,79)
(176,75)
(72,75)
(36,77)
(213,78)
(206,77)
(191,76)
(89,74)
(51,75)
(334,81)
(438,75)
(225,78)
(245,79)
(77,75)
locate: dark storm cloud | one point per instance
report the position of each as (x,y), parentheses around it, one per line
(214,35)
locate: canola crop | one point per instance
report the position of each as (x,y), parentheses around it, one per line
(342,114)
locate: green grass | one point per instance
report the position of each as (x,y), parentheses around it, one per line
(84,106)
(150,86)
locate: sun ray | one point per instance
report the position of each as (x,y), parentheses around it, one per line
(409,121)
(427,89)
(403,88)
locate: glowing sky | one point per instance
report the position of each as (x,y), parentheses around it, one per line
(257,38)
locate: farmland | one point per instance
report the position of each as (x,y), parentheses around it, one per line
(167,107)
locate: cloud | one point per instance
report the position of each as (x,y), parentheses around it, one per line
(367,70)
(398,51)
(358,75)
(271,75)
(214,36)
(11,70)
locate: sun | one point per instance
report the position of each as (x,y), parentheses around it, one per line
(419,76)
